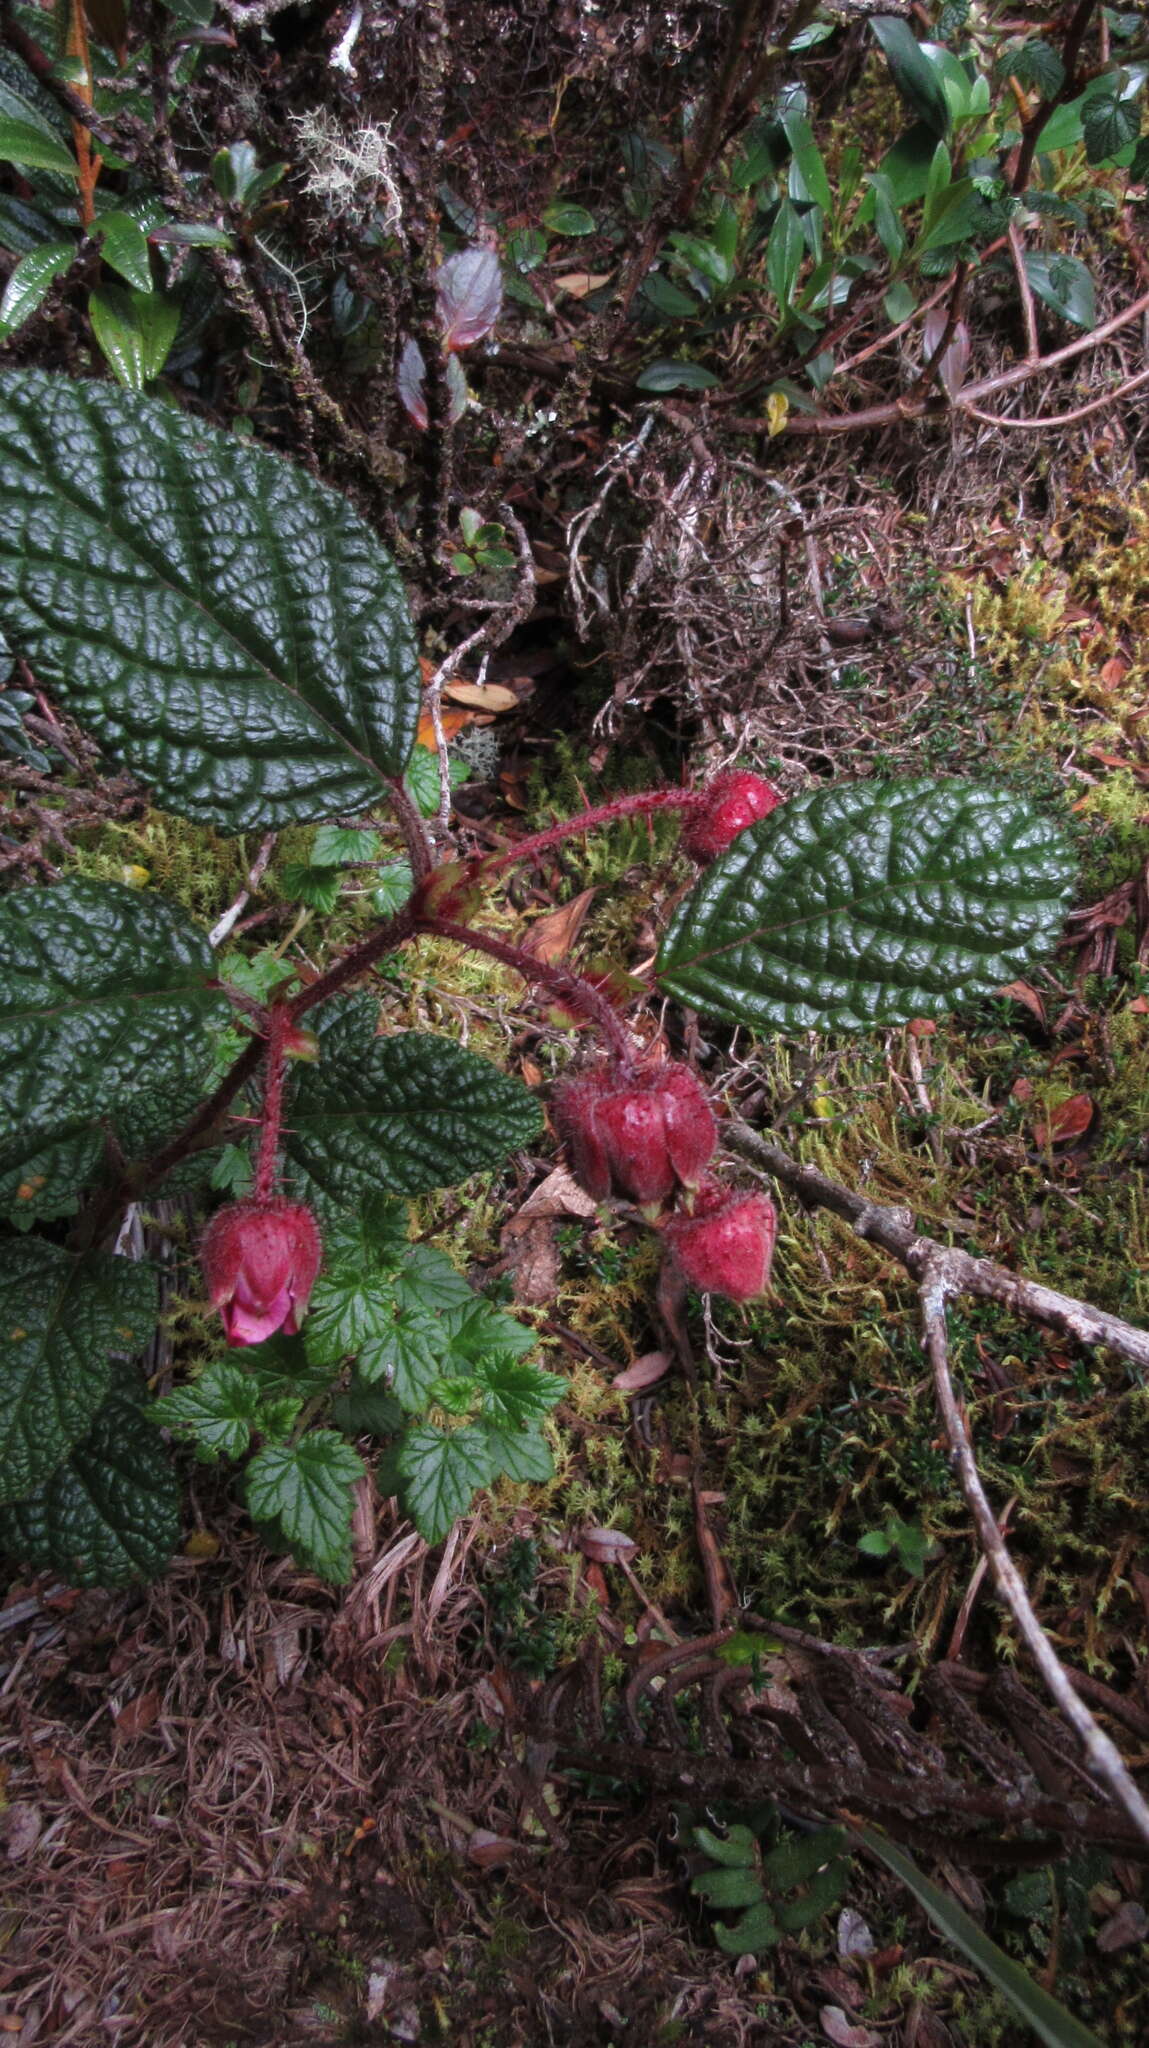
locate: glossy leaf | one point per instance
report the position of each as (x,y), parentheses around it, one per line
(135,330)
(869,904)
(411,382)
(30,282)
(565,219)
(1109,124)
(226,627)
(124,245)
(1063,283)
(441,1470)
(47,1183)
(785,251)
(105,997)
(34,148)
(469,288)
(915,77)
(61,1319)
(399,1115)
(109,1514)
(304,1491)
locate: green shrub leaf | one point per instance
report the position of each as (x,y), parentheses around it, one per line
(104,999)
(870,904)
(135,330)
(34,148)
(218,1411)
(227,628)
(30,282)
(400,1115)
(109,1514)
(441,1470)
(913,74)
(519,1454)
(304,1491)
(61,1319)
(733,1886)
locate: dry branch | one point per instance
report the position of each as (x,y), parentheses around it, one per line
(943,1272)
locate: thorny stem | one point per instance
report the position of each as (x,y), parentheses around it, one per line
(642,804)
(559,982)
(278,1027)
(413,829)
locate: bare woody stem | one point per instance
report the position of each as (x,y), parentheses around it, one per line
(643,804)
(559,982)
(943,1272)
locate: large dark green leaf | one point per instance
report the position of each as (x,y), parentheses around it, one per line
(227,628)
(104,998)
(61,1320)
(870,904)
(912,72)
(109,1514)
(400,1115)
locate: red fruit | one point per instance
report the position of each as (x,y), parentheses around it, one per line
(260,1260)
(727,1245)
(726,806)
(640,1136)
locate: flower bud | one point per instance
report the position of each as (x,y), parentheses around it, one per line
(260,1260)
(640,1136)
(726,806)
(727,1245)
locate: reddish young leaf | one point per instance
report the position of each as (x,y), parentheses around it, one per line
(470,291)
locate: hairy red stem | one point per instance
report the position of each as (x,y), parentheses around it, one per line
(643,804)
(558,981)
(278,1026)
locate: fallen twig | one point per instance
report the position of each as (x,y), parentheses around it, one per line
(943,1272)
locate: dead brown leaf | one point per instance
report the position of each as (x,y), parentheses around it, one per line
(138,1715)
(551,937)
(645,1372)
(1067,1122)
(844,2033)
(606,1546)
(481,696)
(1023,993)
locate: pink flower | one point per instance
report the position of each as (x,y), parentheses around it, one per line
(641,1135)
(727,1245)
(725,808)
(260,1261)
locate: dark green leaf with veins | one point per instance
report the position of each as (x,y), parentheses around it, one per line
(870,904)
(305,1490)
(61,1320)
(398,1115)
(520,1454)
(104,998)
(109,1514)
(228,629)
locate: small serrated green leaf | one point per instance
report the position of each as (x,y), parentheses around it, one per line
(305,1489)
(341,846)
(317,887)
(400,1115)
(409,1355)
(421,780)
(1063,283)
(441,1471)
(1109,124)
(427,1279)
(109,1514)
(347,1308)
(217,1411)
(224,626)
(513,1394)
(62,1319)
(367,1411)
(519,1454)
(870,903)
(394,882)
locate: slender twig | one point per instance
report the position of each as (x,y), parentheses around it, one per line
(942,1273)
(1028,310)
(231,916)
(1032,423)
(1031,131)
(1102,1755)
(642,804)
(895,1230)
